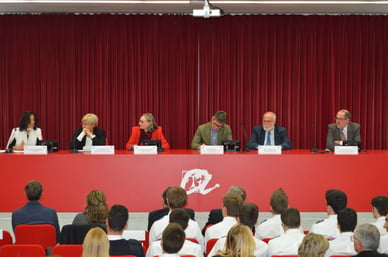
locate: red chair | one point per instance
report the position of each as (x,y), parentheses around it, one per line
(209,245)
(306,232)
(266,240)
(145,242)
(67,250)
(43,235)
(7,238)
(192,240)
(22,251)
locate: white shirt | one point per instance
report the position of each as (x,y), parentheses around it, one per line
(220,229)
(89,140)
(342,245)
(383,248)
(192,230)
(326,227)
(21,136)
(260,251)
(380,225)
(270,228)
(286,244)
(170,255)
(115,237)
(188,248)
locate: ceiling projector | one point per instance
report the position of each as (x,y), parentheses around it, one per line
(207,11)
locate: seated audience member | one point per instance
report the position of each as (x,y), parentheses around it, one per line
(231,207)
(272,227)
(313,245)
(34,212)
(173,238)
(380,210)
(248,216)
(178,216)
(343,132)
(96,210)
(343,244)
(239,242)
(288,243)
(96,244)
(214,132)
(89,134)
(366,241)
(116,224)
(176,198)
(269,134)
(148,129)
(158,214)
(383,248)
(27,133)
(336,200)
(215,215)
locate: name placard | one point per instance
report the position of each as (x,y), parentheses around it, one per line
(270,149)
(145,149)
(212,149)
(102,149)
(346,150)
(35,149)
(139,235)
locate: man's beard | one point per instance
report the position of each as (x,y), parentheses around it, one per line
(267,128)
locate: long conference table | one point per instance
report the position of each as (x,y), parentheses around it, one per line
(137,181)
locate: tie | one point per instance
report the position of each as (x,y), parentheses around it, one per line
(268,138)
(343,138)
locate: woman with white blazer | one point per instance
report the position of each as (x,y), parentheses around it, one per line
(27,133)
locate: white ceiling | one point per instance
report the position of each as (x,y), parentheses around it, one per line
(186,7)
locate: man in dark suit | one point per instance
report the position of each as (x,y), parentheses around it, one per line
(158,214)
(366,240)
(343,132)
(34,212)
(215,215)
(116,223)
(269,134)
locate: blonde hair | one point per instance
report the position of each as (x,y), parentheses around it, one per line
(239,242)
(91,118)
(96,207)
(96,244)
(313,245)
(150,118)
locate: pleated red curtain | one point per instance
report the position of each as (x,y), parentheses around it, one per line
(182,70)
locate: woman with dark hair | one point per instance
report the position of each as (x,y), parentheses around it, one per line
(148,129)
(27,133)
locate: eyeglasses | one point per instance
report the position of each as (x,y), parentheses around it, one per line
(217,125)
(142,121)
(337,118)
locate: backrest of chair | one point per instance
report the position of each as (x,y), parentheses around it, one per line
(7,238)
(193,240)
(209,245)
(22,251)
(67,250)
(145,242)
(75,234)
(266,240)
(43,235)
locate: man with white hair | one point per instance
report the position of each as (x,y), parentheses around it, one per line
(269,134)
(366,241)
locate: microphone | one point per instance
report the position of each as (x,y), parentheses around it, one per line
(246,149)
(314,149)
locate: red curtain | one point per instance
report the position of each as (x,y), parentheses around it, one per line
(182,70)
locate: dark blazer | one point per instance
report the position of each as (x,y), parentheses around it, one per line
(35,213)
(75,234)
(334,134)
(126,247)
(158,214)
(215,216)
(370,254)
(100,139)
(258,138)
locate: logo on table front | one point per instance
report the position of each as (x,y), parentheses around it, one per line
(196,181)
